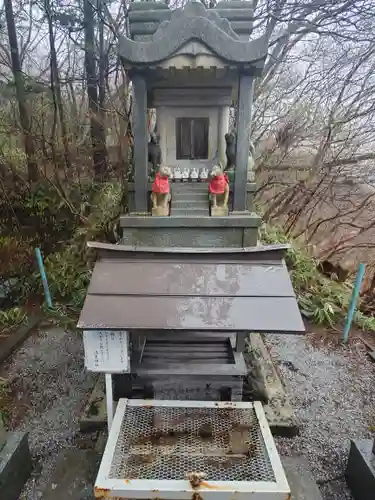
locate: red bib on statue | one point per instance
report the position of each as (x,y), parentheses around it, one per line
(218,184)
(160,184)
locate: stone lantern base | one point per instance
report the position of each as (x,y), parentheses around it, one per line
(15,464)
(360,471)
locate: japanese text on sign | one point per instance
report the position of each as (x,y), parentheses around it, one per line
(106,351)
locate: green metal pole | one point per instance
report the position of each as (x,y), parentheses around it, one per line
(353,301)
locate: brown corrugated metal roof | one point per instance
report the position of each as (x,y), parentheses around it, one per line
(191,290)
(189,279)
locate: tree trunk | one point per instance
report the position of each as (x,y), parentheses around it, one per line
(96,126)
(55,80)
(29,144)
(102,65)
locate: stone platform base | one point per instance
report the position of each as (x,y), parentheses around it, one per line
(219,211)
(76,470)
(360,471)
(198,388)
(301,481)
(15,465)
(264,384)
(74,476)
(234,231)
(160,211)
(199,367)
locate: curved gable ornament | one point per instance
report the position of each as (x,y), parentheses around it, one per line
(193,23)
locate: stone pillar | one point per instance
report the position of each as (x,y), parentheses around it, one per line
(15,463)
(140,134)
(162,131)
(244,108)
(223,127)
(3,436)
(151,119)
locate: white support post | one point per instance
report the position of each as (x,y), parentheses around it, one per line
(109,398)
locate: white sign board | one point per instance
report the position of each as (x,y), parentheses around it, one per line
(106,351)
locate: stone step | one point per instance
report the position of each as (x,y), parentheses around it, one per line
(191,202)
(200,195)
(189,187)
(186,211)
(199,205)
(190,197)
(190,191)
(189,208)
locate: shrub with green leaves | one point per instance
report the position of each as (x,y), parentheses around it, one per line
(69,270)
(322,300)
(12,318)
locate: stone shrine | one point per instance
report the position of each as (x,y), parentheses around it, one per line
(192,65)
(189,281)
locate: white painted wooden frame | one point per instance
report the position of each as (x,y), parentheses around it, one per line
(106,487)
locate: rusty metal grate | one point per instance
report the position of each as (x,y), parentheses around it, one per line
(165,443)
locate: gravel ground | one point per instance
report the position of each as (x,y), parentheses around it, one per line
(49,387)
(332,390)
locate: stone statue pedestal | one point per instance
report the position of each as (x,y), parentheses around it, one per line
(219,211)
(360,471)
(160,211)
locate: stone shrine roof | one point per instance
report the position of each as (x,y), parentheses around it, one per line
(194,23)
(184,289)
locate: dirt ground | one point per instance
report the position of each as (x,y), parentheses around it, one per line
(330,385)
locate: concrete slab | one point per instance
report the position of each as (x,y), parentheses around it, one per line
(15,465)
(300,479)
(74,476)
(266,386)
(360,471)
(94,414)
(281,419)
(76,470)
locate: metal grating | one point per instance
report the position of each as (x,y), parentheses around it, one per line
(207,351)
(166,443)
